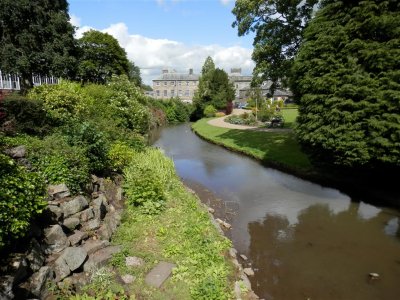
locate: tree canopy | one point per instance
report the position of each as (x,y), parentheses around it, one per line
(36,37)
(347,80)
(101,57)
(134,74)
(278,27)
(214,89)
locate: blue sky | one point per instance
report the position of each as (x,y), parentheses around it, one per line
(177,34)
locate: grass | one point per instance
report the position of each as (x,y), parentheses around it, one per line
(290,115)
(279,149)
(182,233)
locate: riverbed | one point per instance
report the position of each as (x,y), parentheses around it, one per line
(303,240)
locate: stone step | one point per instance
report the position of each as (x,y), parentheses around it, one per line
(159,274)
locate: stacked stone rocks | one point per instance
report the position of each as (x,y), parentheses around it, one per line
(74,242)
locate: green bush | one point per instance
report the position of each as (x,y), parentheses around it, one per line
(21,199)
(244,119)
(120,155)
(209,111)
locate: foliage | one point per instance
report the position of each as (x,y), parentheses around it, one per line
(120,155)
(209,111)
(22,198)
(134,74)
(174,109)
(243,119)
(146,179)
(278,27)
(347,82)
(62,102)
(214,88)
(36,37)
(28,115)
(101,57)
(279,149)
(219,114)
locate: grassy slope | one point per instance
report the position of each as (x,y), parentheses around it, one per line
(279,149)
(290,115)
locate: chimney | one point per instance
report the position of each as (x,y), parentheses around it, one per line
(190,71)
(165,71)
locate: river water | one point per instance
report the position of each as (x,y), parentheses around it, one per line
(304,241)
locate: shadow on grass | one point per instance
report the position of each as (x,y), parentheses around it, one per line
(274,148)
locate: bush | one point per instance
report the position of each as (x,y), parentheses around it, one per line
(120,155)
(244,119)
(21,199)
(209,111)
(219,114)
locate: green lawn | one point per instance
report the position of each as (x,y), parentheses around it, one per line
(290,115)
(278,149)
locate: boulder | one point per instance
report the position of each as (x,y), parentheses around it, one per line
(17,267)
(127,278)
(53,213)
(55,238)
(70,260)
(76,237)
(74,206)
(92,225)
(159,274)
(17,152)
(38,280)
(100,258)
(71,223)
(58,191)
(6,285)
(100,205)
(105,232)
(248,271)
(87,214)
(36,256)
(92,246)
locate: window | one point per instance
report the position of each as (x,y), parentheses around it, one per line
(165,83)
(158,93)
(172,82)
(165,93)
(180,93)
(172,93)
(187,93)
(179,83)
(157,83)
(187,82)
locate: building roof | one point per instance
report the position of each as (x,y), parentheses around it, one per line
(236,78)
(177,76)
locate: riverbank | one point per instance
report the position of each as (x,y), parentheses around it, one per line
(281,151)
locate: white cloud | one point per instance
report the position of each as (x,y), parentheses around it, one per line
(151,55)
(226,2)
(75,21)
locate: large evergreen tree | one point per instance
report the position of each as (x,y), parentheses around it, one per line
(101,57)
(347,80)
(36,37)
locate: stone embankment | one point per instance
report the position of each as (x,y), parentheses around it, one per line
(69,242)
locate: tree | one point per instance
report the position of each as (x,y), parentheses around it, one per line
(278,27)
(134,74)
(346,78)
(214,89)
(36,37)
(101,57)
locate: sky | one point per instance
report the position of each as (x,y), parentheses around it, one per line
(174,34)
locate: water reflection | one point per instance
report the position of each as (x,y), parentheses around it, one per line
(304,240)
(325,255)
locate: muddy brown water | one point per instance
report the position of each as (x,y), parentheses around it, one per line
(304,241)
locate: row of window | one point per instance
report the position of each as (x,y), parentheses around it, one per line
(174,83)
(172,93)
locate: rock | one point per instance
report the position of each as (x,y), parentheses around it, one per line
(17,267)
(75,205)
(133,261)
(56,238)
(100,206)
(237,264)
(6,285)
(105,232)
(232,252)
(70,260)
(36,256)
(54,213)
(211,210)
(248,271)
(246,281)
(100,258)
(71,223)
(17,152)
(87,214)
(92,246)
(244,257)
(92,225)
(78,236)
(238,290)
(223,223)
(58,191)
(373,275)
(38,280)
(118,195)
(159,274)
(127,279)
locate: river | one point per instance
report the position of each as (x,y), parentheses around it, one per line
(304,241)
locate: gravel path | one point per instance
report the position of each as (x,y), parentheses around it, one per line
(220,122)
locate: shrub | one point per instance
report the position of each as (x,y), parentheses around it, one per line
(120,155)
(244,119)
(209,111)
(219,114)
(21,199)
